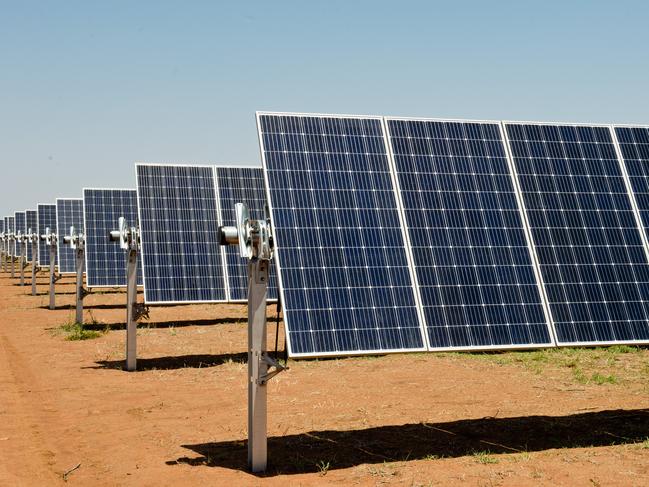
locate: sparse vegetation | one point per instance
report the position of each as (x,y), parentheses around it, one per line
(588,365)
(323,467)
(76,331)
(484,457)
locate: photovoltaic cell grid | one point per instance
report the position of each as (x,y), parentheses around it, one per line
(634,146)
(106,260)
(20,224)
(69,212)
(31,224)
(345,279)
(178,220)
(589,247)
(471,256)
(241,185)
(46,219)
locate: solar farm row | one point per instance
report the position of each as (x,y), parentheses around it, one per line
(400,234)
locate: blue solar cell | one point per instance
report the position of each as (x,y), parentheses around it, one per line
(634,147)
(46,219)
(20,222)
(241,185)
(591,254)
(346,283)
(31,217)
(105,260)
(473,265)
(69,212)
(181,255)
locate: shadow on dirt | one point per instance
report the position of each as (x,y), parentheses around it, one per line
(308,452)
(176,362)
(162,324)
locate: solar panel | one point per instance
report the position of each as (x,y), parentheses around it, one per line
(634,150)
(472,260)
(105,260)
(46,219)
(12,229)
(20,224)
(241,185)
(69,212)
(344,273)
(181,255)
(586,236)
(31,225)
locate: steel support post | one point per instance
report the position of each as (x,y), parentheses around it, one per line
(21,263)
(52,276)
(257,366)
(131,302)
(80,263)
(13,263)
(34,265)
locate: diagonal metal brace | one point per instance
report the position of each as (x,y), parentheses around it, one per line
(56,277)
(271,362)
(140,310)
(83,292)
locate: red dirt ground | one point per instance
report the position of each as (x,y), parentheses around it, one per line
(419,419)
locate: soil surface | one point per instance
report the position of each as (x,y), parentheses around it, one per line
(571,417)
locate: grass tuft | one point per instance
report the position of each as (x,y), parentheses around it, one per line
(76,331)
(484,457)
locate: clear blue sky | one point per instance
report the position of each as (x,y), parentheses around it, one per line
(89,87)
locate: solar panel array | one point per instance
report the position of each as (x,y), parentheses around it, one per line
(590,250)
(499,220)
(471,255)
(105,260)
(237,185)
(181,255)
(20,224)
(46,219)
(31,218)
(345,280)
(69,212)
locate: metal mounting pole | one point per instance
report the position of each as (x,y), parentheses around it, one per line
(257,365)
(34,265)
(13,270)
(52,275)
(131,302)
(81,292)
(21,263)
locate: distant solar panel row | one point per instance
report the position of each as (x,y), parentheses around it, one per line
(493,219)
(69,213)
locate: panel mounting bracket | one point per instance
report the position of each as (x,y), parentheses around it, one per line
(255,242)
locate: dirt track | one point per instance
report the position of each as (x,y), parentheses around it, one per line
(421,419)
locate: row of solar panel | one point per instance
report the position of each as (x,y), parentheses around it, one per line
(180,210)
(179,246)
(412,234)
